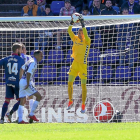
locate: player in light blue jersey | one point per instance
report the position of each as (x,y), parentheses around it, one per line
(27,86)
(12,65)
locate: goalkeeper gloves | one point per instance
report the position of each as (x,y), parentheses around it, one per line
(71,22)
(81,20)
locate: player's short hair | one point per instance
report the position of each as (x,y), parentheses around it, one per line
(23,46)
(16,46)
(36,52)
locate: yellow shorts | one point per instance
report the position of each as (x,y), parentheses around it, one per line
(78,69)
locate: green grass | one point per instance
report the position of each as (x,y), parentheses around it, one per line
(73,131)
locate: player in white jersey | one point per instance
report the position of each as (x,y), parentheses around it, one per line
(27,88)
(26,58)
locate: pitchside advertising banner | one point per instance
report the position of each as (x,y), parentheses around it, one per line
(52,107)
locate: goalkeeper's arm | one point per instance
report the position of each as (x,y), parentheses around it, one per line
(71,34)
(84,29)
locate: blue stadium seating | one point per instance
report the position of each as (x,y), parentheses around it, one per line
(69,59)
(136,75)
(90,3)
(134,82)
(63,76)
(97,40)
(135,56)
(90,72)
(122,73)
(106,73)
(111,59)
(48,73)
(58,83)
(56,6)
(93,56)
(55,56)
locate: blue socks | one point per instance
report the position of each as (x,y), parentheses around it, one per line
(15,107)
(4,109)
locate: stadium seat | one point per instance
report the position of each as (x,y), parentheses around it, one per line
(69,59)
(122,73)
(97,40)
(93,56)
(63,76)
(90,3)
(106,73)
(136,75)
(135,56)
(90,72)
(58,83)
(55,56)
(110,59)
(56,6)
(134,82)
(48,73)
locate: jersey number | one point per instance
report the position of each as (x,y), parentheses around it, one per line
(13,68)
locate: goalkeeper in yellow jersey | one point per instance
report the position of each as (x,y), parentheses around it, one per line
(81,45)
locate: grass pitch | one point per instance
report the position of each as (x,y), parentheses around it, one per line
(73,131)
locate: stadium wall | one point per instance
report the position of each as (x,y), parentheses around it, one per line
(52,108)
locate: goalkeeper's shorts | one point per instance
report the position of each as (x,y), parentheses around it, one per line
(78,69)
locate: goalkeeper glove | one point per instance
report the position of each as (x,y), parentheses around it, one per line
(81,20)
(71,22)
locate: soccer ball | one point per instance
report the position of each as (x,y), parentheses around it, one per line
(75,17)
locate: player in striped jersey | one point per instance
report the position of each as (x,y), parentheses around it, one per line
(81,45)
(26,58)
(27,87)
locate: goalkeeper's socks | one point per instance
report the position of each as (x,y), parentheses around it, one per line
(84,93)
(31,101)
(83,108)
(20,112)
(4,109)
(35,104)
(15,107)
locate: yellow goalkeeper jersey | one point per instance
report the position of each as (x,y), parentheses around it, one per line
(80,50)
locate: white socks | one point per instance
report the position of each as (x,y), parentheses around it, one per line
(31,101)
(20,112)
(34,108)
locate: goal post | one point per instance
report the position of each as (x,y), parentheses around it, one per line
(113,66)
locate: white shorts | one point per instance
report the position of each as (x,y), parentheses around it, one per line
(29,91)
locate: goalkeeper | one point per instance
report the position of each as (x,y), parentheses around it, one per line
(81,45)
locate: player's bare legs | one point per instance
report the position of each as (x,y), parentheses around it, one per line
(70,91)
(84,94)
(35,104)
(4,110)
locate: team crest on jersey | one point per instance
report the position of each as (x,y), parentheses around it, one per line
(103,111)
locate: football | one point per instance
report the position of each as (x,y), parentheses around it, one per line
(75,17)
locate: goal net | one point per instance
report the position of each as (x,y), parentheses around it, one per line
(113,66)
